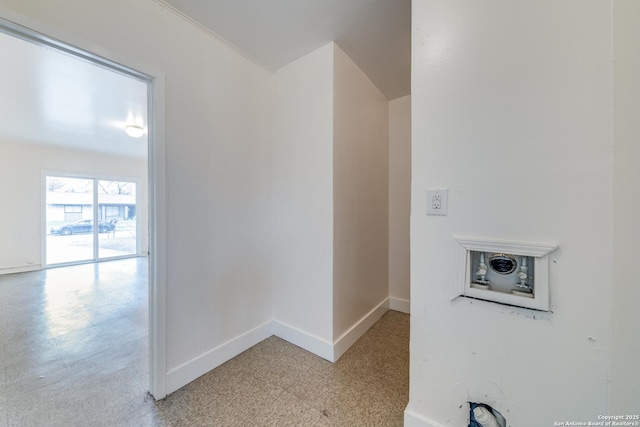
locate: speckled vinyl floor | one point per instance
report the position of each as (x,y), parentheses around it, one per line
(73,352)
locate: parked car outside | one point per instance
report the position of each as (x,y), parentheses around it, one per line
(83,226)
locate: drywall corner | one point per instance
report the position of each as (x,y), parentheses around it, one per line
(360,195)
(302,188)
(399,198)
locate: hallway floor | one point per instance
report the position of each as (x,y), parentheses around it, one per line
(73,352)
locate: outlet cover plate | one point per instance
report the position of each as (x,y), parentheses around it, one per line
(437,199)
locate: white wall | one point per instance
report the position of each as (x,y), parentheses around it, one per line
(330,202)
(625,338)
(399,201)
(230,195)
(21,189)
(512,111)
(303,195)
(218,168)
(360,195)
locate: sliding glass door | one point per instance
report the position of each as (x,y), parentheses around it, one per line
(117,215)
(89,219)
(69,213)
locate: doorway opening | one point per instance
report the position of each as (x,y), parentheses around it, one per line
(51,124)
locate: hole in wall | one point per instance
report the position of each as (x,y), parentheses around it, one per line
(483,415)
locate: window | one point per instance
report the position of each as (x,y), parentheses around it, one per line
(70,218)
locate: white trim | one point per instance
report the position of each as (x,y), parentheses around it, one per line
(347,339)
(216,36)
(413,419)
(157,243)
(491,245)
(399,304)
(302,339)
(182,375)
(20,269)
(325,349)
(463,279)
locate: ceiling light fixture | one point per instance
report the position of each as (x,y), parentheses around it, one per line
(134,131)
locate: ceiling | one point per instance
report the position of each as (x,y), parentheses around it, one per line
(53,98)
(376,34)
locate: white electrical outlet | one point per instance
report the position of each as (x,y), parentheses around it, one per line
(437,201)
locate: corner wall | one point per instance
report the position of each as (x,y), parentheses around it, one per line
(512,111)
(302,206)
(399,203)
(361,199)
(330,204)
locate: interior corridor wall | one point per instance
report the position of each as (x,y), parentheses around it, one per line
(625,339)
(512,112)
(330,202)
(360,195)
(399,202)
(303,197)
(218,171)
(21,189)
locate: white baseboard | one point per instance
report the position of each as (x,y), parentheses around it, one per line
(182,375)
(352,335)
(302,339)
(412,419)
(198,366)
(20,269)
(401,305)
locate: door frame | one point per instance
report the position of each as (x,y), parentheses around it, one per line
(28,30)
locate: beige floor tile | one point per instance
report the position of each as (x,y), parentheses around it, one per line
(203,408)
(81,360)
(356,412)
(250,395)
(180,405)
(222,377)
(273,364)
(324,421)
(288,410)
(319,386)
(397,415)
(275,347)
